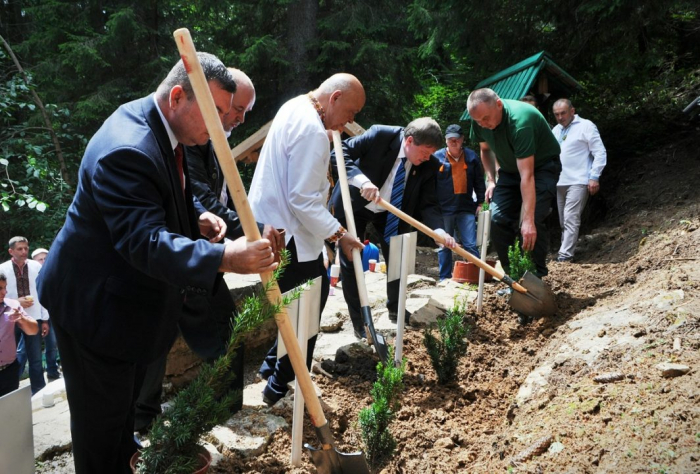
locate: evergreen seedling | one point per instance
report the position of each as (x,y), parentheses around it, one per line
(446,351)
(208,400)
(519,261)
(374,420)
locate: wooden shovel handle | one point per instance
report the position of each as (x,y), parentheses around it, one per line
(349,217)
(458,250)
(245,213)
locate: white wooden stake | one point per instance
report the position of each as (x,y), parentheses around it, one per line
(486,229)
(307,308)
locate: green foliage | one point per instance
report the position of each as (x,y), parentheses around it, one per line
(446,351)
(374,420)
(33,195)
(519,261)
(207,401)
(636,59)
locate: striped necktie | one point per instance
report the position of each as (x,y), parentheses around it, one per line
(392,222)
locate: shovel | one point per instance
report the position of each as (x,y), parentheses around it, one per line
(328,460)
(531,296)
(376,339)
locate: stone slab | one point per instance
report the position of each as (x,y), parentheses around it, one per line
(247,433)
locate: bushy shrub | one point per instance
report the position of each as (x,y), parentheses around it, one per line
(374,420)
(519,261)
(446,350)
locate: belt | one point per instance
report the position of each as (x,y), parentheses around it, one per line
(3,367)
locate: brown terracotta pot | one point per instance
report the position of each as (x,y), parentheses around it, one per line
(204,457)
(467,272)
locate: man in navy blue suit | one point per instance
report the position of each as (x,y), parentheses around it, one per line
(127,256)
(372,161)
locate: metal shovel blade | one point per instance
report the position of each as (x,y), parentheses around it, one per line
(537,302)
(332,461)
(378,340)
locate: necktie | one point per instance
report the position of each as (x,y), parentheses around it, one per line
(392,222)
(178,161)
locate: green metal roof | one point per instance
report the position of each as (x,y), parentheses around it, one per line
(517,80)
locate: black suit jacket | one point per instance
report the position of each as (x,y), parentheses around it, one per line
(207,182)
(373,154)
(120,267)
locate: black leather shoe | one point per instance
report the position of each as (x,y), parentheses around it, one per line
(393,316)
(268,401)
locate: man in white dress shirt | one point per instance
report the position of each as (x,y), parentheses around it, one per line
(583,158)
(290,191)
(21,273)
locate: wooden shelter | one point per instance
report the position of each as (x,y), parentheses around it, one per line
(538,75)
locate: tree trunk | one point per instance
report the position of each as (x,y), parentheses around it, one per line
(301,25)
(47,120)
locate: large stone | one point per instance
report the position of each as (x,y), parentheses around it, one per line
(247,433)
(331,323)
(419,281)
(252,395)
(424,311)
(672,370)
(354,351)
(446,294)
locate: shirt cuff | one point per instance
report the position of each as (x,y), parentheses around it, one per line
(358,181)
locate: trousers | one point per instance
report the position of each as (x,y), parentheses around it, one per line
(279,372)
(506,206)
(570,201)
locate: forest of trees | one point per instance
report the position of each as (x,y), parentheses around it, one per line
(66,65)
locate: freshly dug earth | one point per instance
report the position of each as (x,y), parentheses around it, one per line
(646,247)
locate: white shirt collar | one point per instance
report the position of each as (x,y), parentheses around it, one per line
(402,150)
(171,135)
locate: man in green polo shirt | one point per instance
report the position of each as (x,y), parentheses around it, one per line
(528,156)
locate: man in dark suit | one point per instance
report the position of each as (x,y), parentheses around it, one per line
(126,257)
(205,323)
(373,160)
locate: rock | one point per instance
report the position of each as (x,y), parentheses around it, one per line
(331,323)
(640,332)
(444,443)
(424,311)
(419,280)
(446,293)
(354,351)
(601,333)
(247,433)
(252,395)
(556,447)
(672,370)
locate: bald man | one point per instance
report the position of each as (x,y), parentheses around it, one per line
(290,191)
(528,155)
